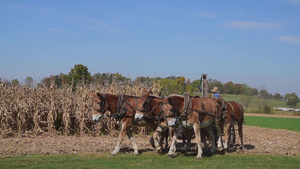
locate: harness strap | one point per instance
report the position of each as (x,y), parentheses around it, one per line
(204,112)
(187,106)
(119,113)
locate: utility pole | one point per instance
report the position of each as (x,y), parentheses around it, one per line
(204,85)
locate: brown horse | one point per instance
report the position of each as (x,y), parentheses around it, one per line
(196,113)
(232,114)
(123,108)
(150,111)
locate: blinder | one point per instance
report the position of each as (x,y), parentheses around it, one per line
(102,104)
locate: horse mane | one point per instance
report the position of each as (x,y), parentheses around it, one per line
(176,95)
(154,96)
(109,93)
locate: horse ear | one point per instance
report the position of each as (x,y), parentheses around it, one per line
(99,95)
(170,100)
(147,94)
(93,95)
(144,91)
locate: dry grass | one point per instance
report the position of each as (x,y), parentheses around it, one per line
(25,110)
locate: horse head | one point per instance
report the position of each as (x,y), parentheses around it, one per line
(99,106)
(171,111)
(142,106)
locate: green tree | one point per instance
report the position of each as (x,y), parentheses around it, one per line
(188,87)
(81,74)
(29,81)
(170,87)
(144,80)
(238,89)
(229,88)
(64,79)
(277,96)
(180,80)
(15,82)
(263,94)
(215,83)
(181,84)
(46,81)
(52,80)
(172,77)
(255,92)
(286,96)
(292,100)
(99,78)
(119,78)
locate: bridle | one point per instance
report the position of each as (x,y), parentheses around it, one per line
(148,106)
(121,107)
(102,104)
(186,108)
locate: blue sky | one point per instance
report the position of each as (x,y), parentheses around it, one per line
(250,42)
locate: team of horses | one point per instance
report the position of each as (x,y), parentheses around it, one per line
(211,116)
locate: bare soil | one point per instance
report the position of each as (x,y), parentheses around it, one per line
(256,140)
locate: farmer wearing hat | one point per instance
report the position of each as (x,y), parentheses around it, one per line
(216,92)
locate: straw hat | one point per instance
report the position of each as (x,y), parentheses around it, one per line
(215,90)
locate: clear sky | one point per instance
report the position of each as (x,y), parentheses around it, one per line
(244,41)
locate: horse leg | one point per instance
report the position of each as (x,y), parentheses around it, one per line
(219,135)
(203,138)
(166,136)
(120,139)
(172,149)
(211,134)
(157,139)
(189,134)
(131,138)
(240,128)
(232,135)
(152,141)
(196,128)
(227,134)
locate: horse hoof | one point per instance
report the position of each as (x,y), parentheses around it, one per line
(159,151)
(171,155)
(113,153)
(199,157)
(136,154)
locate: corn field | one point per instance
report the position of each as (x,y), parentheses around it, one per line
(40,110)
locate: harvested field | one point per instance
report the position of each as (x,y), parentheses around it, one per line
(32,118)
(257,141)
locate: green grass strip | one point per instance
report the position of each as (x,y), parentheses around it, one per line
(292,124)
(149,160)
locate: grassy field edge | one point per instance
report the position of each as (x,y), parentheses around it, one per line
(148,160)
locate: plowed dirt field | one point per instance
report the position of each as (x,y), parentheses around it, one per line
(256,140)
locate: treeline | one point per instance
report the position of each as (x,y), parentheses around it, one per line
(169,85)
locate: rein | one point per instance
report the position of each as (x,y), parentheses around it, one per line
(186,108)
(121,107)
(102,104)
(159,116)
